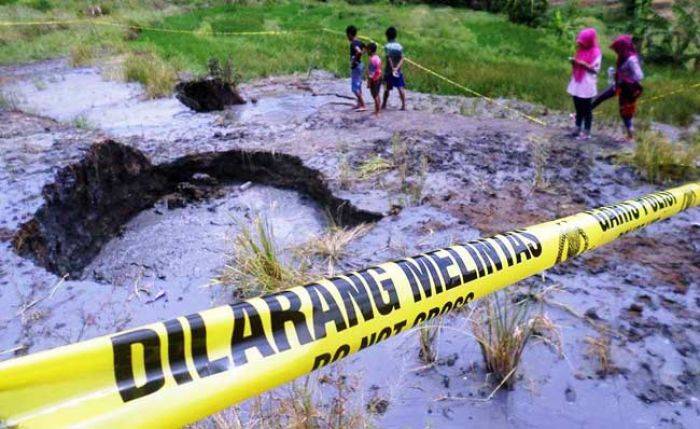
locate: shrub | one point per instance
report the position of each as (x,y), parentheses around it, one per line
(41,5)
(226,73)
(155,74)
(666,41)
(677,42)
(528,12)
(566,21)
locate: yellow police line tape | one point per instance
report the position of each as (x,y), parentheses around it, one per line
(173,373)
(658,97)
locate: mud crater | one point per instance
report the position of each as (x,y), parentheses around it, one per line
(91,200)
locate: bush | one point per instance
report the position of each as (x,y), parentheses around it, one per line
(41,5)
(663,41)
(679,43)
(226,72)
(567,20)
(529,12)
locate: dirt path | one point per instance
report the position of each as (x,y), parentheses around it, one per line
(445,177)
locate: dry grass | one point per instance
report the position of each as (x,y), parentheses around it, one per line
(503,328)
(156,75)
(331,245)
(411,185)
(414,187)
(399,153)
(8,100)
(328,402)
(373,166)
(427,339)
(256,267)
(344,172)
(599,350)
(82,54)
(540,155)
(659,160)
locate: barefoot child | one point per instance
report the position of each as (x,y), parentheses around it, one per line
(356,67)
(393,76)
(627,82)
(374,75)
(583,86)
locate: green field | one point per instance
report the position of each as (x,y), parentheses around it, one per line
(483,51)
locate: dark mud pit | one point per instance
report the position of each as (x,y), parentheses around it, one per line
(91,200)
(447,178)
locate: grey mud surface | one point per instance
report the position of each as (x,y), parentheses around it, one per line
(642,290)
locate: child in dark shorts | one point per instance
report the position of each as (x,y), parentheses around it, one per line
(374,75)
(356,66)
(393,75)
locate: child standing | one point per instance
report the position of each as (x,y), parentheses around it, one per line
(356,67)
(374,75)
(584,80)
(627,81)
(393,76)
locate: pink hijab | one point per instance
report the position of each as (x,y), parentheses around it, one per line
(587,50)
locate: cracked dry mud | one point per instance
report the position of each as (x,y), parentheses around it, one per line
(466,176)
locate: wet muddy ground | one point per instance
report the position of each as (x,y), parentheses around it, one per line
(459,169)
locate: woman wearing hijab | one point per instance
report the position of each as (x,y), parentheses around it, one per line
(583,86)
(627,81)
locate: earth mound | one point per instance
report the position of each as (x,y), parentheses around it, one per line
(206,95)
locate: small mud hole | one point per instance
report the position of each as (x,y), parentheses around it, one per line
(92,200)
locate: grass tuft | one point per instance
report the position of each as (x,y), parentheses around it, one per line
(156,75)
(8,100)
(599,350)
(332,244)
(660,160)
(427,339)
(540,155)
(82,54)
(373,166)
(82,123)
(327,402)
(503,328)
(256,267)
(399,153)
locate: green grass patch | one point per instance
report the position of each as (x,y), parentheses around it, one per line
(158,76)
(660,160)
(482,51)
